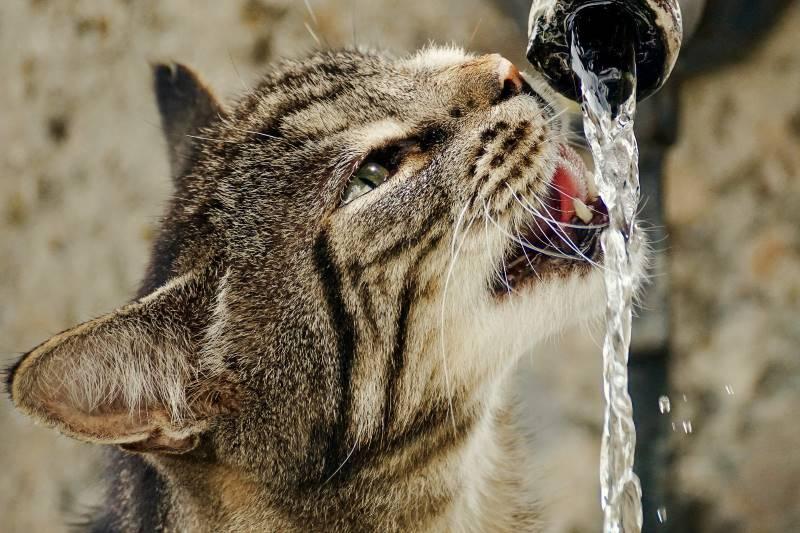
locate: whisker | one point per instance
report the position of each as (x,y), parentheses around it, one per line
(528,259)
(474,32)
(313,35)
(559,189)
(259,133)
(559,232)
(569,242)
(495,272)
(209,139)
(538,214)
(353,449)
(502,276)
(524,243)
(236,70)
(556,116)
(454,254)
(311,12)
(558,222)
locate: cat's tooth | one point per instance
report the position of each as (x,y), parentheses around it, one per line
(582,210)
(591,186)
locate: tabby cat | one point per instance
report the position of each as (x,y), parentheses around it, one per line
(356,254)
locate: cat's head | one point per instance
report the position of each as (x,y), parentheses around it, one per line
(356,248)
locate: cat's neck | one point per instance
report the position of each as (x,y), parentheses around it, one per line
(496,492)
(476,483)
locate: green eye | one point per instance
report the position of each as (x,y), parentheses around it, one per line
(368,176)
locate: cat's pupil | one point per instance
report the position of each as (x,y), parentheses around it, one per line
(368,176)
(372,174)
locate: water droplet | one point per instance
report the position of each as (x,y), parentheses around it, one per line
(685,399)
(662,514)
(687,426)
(729,390)
(664,405)
(674,427)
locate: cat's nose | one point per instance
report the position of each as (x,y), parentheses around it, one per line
(508,76)
(486,80)
(506,81)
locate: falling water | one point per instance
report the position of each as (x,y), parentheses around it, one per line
(608,124)
(664,405)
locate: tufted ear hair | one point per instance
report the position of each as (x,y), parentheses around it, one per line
(186,106)
(132,377)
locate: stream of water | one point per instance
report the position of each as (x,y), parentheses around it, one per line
(609,130)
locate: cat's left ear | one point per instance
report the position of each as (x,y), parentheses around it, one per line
(134,377)
(186,106)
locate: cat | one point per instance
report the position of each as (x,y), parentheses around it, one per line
(356,254)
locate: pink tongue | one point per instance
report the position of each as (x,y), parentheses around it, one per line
(565,187)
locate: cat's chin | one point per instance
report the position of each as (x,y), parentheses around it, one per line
(538,310)
(562,294)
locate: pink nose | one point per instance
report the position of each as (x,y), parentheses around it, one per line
(508,73)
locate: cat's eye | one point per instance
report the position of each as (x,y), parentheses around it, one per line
(378,166)
(369,176)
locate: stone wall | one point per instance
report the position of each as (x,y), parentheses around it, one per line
(733,205)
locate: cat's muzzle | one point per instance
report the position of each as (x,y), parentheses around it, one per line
(561,231)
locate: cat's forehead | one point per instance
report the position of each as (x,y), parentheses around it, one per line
(437,57)
(369,74)
(335,94)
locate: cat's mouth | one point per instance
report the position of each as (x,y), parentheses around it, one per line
(562,231)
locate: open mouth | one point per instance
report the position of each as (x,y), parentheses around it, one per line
(562,231)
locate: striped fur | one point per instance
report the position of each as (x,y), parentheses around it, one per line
(342,367)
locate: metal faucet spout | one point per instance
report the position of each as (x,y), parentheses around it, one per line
(605,31)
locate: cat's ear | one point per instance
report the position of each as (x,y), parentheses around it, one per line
(186,106)
(132,377)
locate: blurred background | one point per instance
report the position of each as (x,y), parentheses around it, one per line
(84,178)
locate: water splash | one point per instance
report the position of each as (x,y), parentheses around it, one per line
(664,405)
(609,106)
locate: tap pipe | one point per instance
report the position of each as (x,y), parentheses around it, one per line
(603,28)
(691,13)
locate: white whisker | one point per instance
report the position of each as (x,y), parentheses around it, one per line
(313,35)
(524,243)
(238,74)
(350,453)
(311,12)
(528,260)
(260,134)
(474,32)
(209,139)
(454,253)
(569,242)
(549,221)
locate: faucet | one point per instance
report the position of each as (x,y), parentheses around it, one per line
(612,37)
